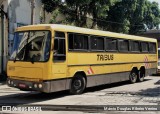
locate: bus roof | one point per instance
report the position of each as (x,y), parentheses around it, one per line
(67,28)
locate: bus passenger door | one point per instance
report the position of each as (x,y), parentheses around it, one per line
(59,62)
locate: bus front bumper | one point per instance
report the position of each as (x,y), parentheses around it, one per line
(29,85)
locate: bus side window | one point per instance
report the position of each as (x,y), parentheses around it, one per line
(152,47)
(59,53)
(97,43)
(111,44)
(135,46)
(78,42)
(144,47)
(123,45)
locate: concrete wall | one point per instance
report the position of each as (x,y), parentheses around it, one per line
(3,38)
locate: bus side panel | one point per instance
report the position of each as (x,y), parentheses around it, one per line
(101,74)
(110,71)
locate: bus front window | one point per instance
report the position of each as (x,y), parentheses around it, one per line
(31,46)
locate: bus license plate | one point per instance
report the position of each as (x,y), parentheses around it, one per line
(22,85)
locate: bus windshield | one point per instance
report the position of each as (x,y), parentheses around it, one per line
(31,46)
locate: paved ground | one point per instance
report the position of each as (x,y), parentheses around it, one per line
(144,93)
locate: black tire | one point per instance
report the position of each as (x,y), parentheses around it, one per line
(78,84)
(141,76)
(133,76)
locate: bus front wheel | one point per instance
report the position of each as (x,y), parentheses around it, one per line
(78,84)
(133,76)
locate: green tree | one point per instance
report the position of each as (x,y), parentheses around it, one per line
(152,15)
(51,5)
(124,16)
(137,17)
(98,9)
(119,15)
(78,12)
(130,16)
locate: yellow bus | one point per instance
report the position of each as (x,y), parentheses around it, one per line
(53,57)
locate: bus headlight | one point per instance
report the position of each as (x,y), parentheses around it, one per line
(40,85)
(35,86)
(9,82)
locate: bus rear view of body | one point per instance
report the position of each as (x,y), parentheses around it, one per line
(53,57)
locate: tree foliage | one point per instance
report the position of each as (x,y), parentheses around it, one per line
(125,16)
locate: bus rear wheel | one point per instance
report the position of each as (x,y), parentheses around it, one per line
(133,76)
(78,84)
(141,76)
